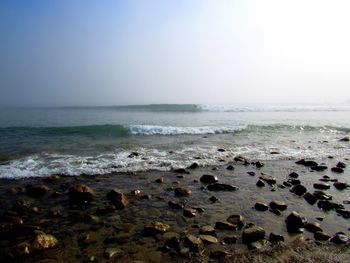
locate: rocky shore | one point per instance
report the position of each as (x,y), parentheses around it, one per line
(242,211)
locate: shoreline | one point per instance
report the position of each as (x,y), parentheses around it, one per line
(117,229)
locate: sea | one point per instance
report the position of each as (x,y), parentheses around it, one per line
(37,142)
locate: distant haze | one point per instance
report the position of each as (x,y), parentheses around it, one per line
(56,53)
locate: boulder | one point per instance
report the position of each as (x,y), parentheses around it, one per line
(117,198)
(252,234)
(295,223)
(81,194)
(208,179)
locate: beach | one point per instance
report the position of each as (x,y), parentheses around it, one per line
(179,215)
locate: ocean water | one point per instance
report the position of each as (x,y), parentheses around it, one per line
(97,140)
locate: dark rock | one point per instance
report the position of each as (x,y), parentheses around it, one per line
(218,254)
(340,185)
(252,234)
(261,206)
(81,194)
(321,236)
(340,238)
(159,180)
(230,168)
(175,205)
(251,173)
(287,184)
(188,212)
(213,199)
(182,191)
(259,164)
(328,205)
(222,225)
(322,186)
(208,179)
(295,222)
(294,175)
(241,159)
(274,238)
(279,205)
(310,163)
(313,227)
(310,198)
(221,187)
(268,179)
(221,150)
(153,228)
(207,230)
(337,170)
(193,165)
(107,209)
(237,220)
(180,171)
(294,181)
(260,183)
(344,213)
(320,195)
(117,198)
(52,178)
(193,242)
(37,190)
(319,168)
(301,161)
(345,139)
(341,165)
(230,239)
(274,152)
(133,154)
(275,211)
(299,189)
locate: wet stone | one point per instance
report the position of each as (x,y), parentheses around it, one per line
(337,170)
(213,199)
(237,220)
(294,181)
(182,191)
(322,186)
(208,239)
(230,239)
(230,168)
(320,195)
(159,180)
(37,190)
(279,205)
(221,187)
(208,179)
(340,238)
(341,165)
(155,228)
(321,236)
(107,209)
(310,198)
(222,225)
(81,194)
(287,184)
(268,179)
(252,234)
(52,178)
(275,211)
(345,139)
(261,206)
(117,198)
(207,230)
(295,222)
(194,243)
(274,238)
(260,183)
(189,212)
(175,205)
(294,175)
(259,164)
(340,185)
(299,189)
(313,227)
(251,173)
(193,165)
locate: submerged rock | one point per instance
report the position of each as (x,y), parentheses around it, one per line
(237,220)
(222,225)
(313,227)
(81,194)
(117,198)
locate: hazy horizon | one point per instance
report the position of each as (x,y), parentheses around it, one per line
(93,53)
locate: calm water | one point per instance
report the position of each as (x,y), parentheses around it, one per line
(92,140)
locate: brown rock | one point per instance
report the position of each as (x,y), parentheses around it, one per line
(81,194)
(222,225)
(252,234)
(117,198)
(155,227)
(182,191)
(37,190)
(208,179)
(278,205)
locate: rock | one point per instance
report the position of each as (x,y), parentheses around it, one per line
(208,239)
(117,198)
(193,242)
(188,212)
(310,163)
(295,223)
(252,234)
(180,171)
(319,168)
(328,205)
(287,184)
(339,238)
(111,252)
(182,191)
(213,199)
(294,175)
(207,230)
(81,194)
(261,206)
(107,209)
(260,183)
(275,211)
(321,236)
(208,179)
(337,170)
(340,185)
(153,228)
(175,205)
(135,192)
(322,186)
(237,220)
(274,238)
(230,239)
(43,241)
(193,165)
(320,195)
(299,189)
(251,173)
(241,159)
(218,254)
(313,227)
(259,164)
(341,165)
(257,244)
(37,190)
(230,168)
(279,205)
(221,187)
(133,154)
(268,179)
(294,181)
(52,178)
(301,161)
(222,225)
(345,139)
(310,198)
(159,180)
(221,150)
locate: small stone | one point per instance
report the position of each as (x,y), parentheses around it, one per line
(340,185)
(287,184)
(321,236)
(274,238)
(81,194)
(213,199)
(275,211)
(221,225)
(310,198)
(221,187)
(175,205)
(261,206)
(208,239)
(259,164)
(345,139)
(135,192)
(294,181)
(111,252)
(322,186)
(279,205)
(193,242)
(133,154)
(322,195)
(193,165)
(295,222)
(337,170)
(230,239)
(207,230)
(268,179)
(230,168)
(208,179)
(188,212)
(252,234)
(340,238)
(182,191)
(155,228)
(299,189)
(117,198)
(181,171)
(313,227)
(237,220)
(310,163)
(160,180)
(260,183)
(341,165)
(251,173)
(294,175)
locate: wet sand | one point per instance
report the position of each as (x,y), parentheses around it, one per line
(96,232)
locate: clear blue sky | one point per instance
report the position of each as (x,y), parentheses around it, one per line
(128,52)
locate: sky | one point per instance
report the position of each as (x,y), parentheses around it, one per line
(90,52)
